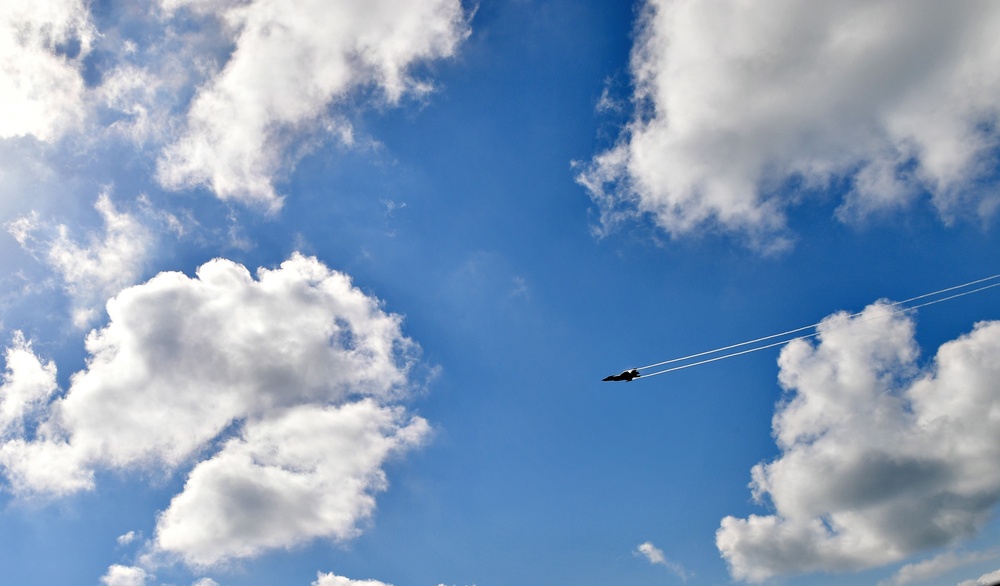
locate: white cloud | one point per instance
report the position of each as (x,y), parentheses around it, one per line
(124,576)
(127,538)
(310,472)
(880,459)
(990,579)
(934,567)
(136,94)
(28,385)
(288,67)
(93,272)
(655,556)
(652,553)
(292,373)
(733,99)
(183,358)
(206,582)
(42,45)
(334,580)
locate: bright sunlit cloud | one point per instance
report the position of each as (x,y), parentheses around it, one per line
(294,372)
(735,101)
(332,579)
(169,412)
(119,575)
(880,458)
(255,117)
(42,46)
(28,384)
(310,472)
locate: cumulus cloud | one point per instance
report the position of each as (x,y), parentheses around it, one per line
(735,101)
(124,576)
(308,473)
(334,580)
(42,46)
(282,386)
(93,272)
(288,67)
(880,458)
(226,95)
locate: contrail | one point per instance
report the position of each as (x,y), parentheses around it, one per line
(899,304)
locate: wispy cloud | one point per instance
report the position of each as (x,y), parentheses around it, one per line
(990,579)
(655,556)
(935,566)
(97,270)
(27,386)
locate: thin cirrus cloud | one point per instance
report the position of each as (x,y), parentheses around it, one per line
(734,101)
(880,458)
(94,271)
(287,69)
(295,374)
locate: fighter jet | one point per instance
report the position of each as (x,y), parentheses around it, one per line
(626,376)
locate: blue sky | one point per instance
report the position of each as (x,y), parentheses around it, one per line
(322,293)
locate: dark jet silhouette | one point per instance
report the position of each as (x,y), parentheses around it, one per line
(626,376)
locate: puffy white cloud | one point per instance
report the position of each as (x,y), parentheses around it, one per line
(93,272)
(735,99)
(310,472)
(124,576)
(880,459)
(183,358)
(334,580)
(290,64)
(42,45)
(293,373)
